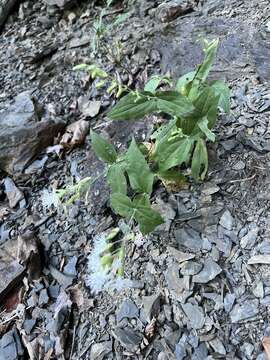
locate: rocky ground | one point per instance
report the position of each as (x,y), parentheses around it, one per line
(199,287)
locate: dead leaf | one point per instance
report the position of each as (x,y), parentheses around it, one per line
(89,108)
(29,254)
(266,345)
(14,195)
(75,134)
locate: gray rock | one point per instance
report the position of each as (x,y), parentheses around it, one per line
(264,247)
(249,240)
(189,238)
(22,135)
(245,310)
(173,279)
(128,338)
(14,194)
(227,220)
(128,309)
(259,259)
(217,346)
(100,350)
(258,290)
(179,255)
(11,347)
(180,351)
(10,275)
(28,325)
(59,3)
(195,315)
(43,297)
(210,270)
(191,268)
(151,306)
(70,267)
(229,300)
(200,353)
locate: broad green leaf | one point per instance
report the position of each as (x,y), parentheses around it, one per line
(147,218)
(222,90)
(172,176)
(140,177)
(204,69)
(154,82)
(199,165)
(174,104)
(203,125)
(164,130)
(103,149)
(141,199)
(210,52)
(212,112)
(174,153)
(122,205)
(184,83)
(133,107)
(116,179)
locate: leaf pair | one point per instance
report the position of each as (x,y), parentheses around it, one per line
(140,178)
(140,210)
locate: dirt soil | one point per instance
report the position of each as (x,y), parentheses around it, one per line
(198,287)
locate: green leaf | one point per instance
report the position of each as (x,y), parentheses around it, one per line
(140,177)
(173,153)
(141,199)
(210,51)
(116,179)
(164,130)
(122,205)
(203,125)
(103,149)
(174,104)
(154,82)
(199,165)
(171,175)
(81,67)
(133,107)
(222,90)
(147,218)
(184,83)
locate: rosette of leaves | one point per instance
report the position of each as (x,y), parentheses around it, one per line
(193,108)
(129,173)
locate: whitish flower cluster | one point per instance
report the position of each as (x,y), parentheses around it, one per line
(102,275)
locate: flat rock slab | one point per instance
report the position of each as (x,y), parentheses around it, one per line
(241,45)
(22,135)
(10,275)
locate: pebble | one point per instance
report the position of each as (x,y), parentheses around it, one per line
(258,290)
(128,309)
(227,220)
(210,270)
(179,255)
(191,268)
(173,279)
(189,238)
(259,259)
(245,310)
(218,346)
(248,241)
(151,306)
(128,338)
(195,315)
(229,300)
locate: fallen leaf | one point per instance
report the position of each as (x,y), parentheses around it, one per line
(266,345)
(89,108)
(75,134)
(29,254)
(14,195)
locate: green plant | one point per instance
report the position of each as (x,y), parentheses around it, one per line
(101,29)
(193,109)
